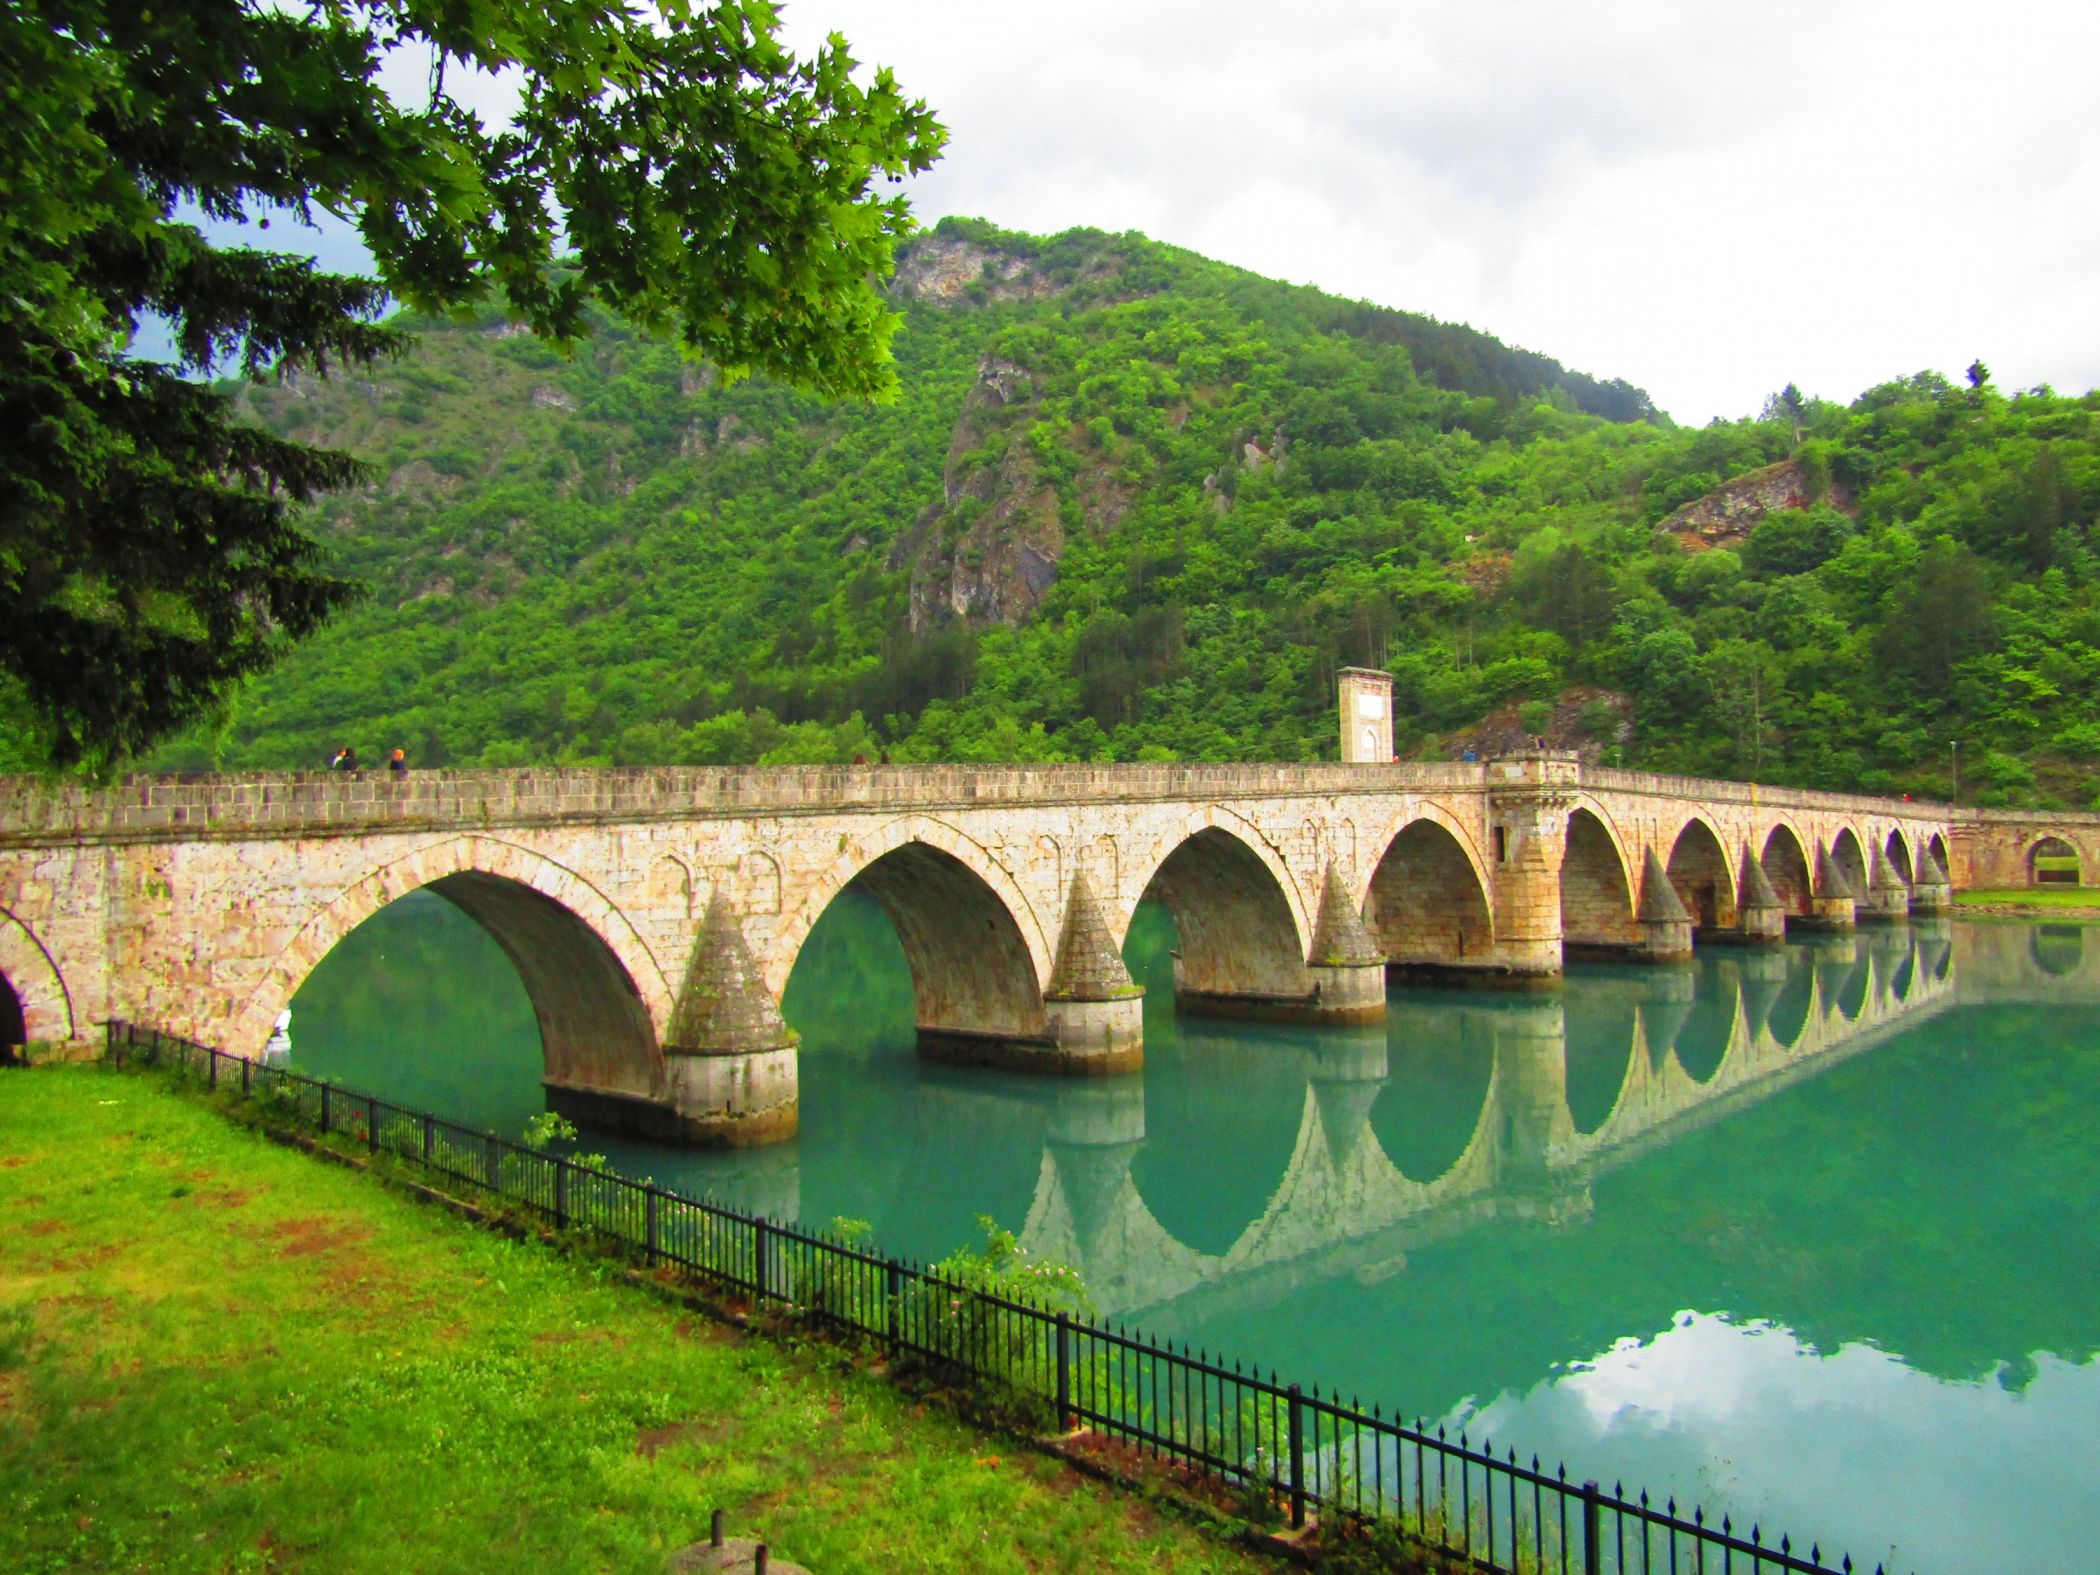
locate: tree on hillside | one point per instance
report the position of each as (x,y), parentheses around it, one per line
(694,177)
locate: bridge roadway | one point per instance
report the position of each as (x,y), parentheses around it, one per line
(654,915)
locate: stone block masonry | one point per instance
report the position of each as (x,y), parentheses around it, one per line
(654,915)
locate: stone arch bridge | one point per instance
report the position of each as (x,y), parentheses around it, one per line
(654,916)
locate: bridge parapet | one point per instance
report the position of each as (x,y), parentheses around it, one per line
(188,806)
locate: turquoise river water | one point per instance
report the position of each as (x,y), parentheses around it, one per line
(1810,1237)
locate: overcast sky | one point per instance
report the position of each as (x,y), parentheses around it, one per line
(1707,199)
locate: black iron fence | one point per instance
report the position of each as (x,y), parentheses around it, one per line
(1271,1448)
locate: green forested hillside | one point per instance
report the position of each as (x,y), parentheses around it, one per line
(1133,504)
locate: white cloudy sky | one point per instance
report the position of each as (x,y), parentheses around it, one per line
(1708,199)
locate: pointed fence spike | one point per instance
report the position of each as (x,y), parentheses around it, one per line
(1784,1545)
(1725,1529)
(1698,1514)
(1756,1541)
(1534,1462)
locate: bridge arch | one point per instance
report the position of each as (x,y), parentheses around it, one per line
(977,952)
(1427,900)
(1240,925)
(1785,858)
(1698,867)
(1897,850)
(595,987)
(37,988)
(1848,853)
(1936,845)
(1596,882)
(2052,859)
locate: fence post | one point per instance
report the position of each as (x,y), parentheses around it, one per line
(427,1144)
(649,1225)
(246,1067)
(324,1109)
(495,1168)
(211,1076)
(371,1124)
(1592,1531)
(561,1194)
(1297,1430)
(759,1256)
(1064,1372)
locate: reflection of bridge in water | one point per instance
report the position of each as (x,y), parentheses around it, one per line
(1568,1089)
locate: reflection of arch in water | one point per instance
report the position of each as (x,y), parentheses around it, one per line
(2056,948)
(1905,977)
(1707,1033)
(1699,872)
(2053,861)
(1847,979)
(1795,1003)
(1786,867)
(1428,903)
(1214,1157)
(1596,899)
(1602,1029)
(1437,1092)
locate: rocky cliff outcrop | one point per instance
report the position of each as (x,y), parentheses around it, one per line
(987,551)
(1727,515)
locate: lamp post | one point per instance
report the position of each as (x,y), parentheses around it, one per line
(1954,755)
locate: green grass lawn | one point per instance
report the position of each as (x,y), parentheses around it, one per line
(2031,897)
(219,1354)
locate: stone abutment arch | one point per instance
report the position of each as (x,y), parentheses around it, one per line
(595,990)
(1427,905)
(1699,873)
(1239,949)
(1786,865)
(1596,894)
(39,993)
(974,985)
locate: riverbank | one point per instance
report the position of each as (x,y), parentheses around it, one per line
(2028,902)
(220,1354)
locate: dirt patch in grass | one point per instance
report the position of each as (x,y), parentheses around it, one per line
(303,1238)
(1124,1462)
(15,1161)
(42,1228)
(224,1198)
(650,1441)
(93,1257)
(15,1407)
